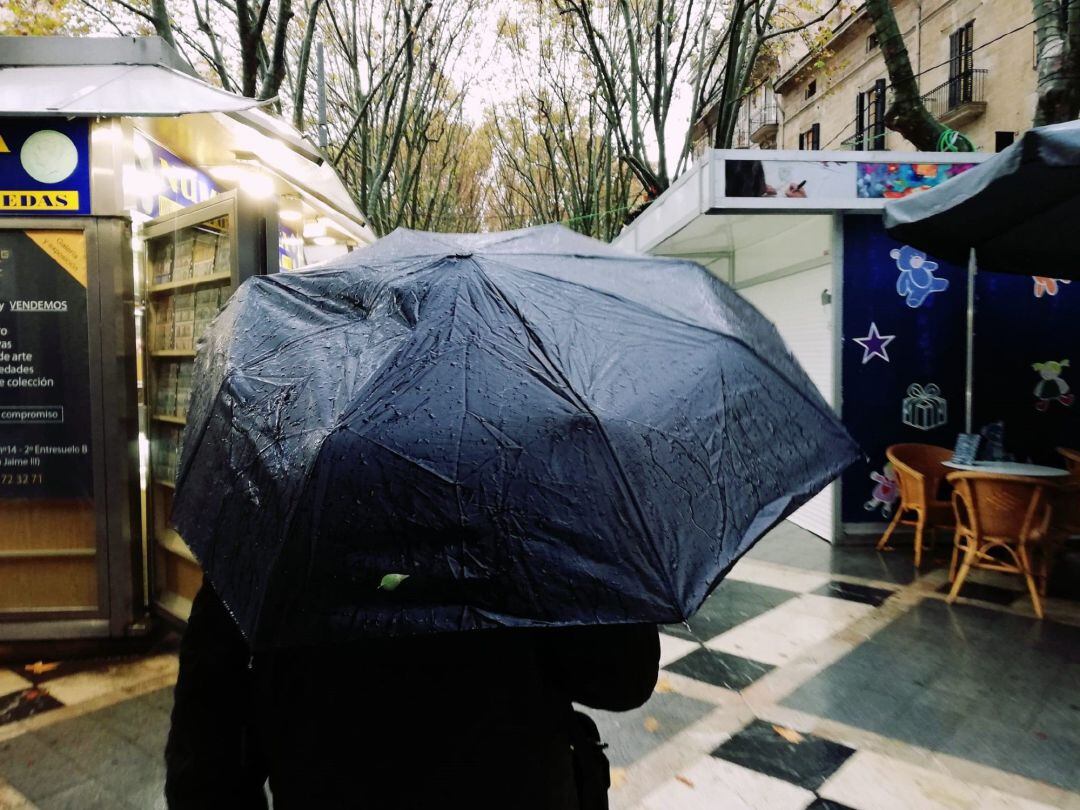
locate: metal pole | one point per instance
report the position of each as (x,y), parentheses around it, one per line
(320,68)
(969,394)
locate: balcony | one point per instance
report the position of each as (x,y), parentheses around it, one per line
(959,100)
(764,123)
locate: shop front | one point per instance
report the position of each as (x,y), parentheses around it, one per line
(906,347)
(134,199)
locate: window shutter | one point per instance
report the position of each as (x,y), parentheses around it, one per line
(968,56)
(860,120)
(815,136)
(879,115)
(954,67)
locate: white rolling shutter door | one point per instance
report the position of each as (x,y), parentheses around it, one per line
(793,303)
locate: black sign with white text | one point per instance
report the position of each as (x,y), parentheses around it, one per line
(44,366)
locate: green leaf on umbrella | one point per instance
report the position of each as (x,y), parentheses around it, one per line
(391,581)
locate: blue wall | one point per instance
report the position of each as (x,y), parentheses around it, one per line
(1014,330)
(928,347)
(1020,321)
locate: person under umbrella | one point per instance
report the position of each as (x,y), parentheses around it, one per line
(477,720)
(533,437)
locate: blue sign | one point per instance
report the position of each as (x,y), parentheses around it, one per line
(1027,361)
(171,183)
(44,167)
(904,357)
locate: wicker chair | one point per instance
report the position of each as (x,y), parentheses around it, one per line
(1072,461)
(1067,502)
(1001,521)
(919,472)
(1065,525)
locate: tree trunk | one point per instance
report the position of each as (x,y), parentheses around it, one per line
(1059,83)
(906,115)
(275,71)
(302,64)
(162,22)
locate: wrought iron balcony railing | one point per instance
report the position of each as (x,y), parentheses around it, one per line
(961,96)
(764,123)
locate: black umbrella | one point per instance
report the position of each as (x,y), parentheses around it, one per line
(1018,210)
(457,432)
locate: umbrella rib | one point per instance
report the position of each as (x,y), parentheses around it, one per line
(629,302)
(632,497)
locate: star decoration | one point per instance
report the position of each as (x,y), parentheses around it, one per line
(874,344)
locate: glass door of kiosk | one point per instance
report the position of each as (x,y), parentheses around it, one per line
(193,260)
(68,489)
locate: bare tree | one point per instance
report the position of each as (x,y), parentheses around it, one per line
(243,42)
(398,132)
(554,156)
(644,51)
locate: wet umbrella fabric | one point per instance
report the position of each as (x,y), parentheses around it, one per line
(532,428)
(1018,210)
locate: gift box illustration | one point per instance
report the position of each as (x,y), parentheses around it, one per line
(925,408)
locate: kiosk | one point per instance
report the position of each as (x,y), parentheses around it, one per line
(907,348)
(134,198)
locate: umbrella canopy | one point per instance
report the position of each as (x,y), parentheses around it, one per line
(1016,210)
(459,432)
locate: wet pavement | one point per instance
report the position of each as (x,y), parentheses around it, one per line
(815,677)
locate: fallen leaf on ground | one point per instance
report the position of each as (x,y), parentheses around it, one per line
(618,777)
(789,734)
(651,724)
(40,667)
(663,686)
(684,780)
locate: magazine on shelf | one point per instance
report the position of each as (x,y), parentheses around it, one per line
(222,256)
(161,263)
(182,258)
(165,394)
(203,254)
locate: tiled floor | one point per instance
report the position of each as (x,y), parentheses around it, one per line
(814,677)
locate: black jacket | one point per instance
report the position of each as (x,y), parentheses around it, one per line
(471,720)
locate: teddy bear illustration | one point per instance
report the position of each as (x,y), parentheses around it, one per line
(1044,285)
(1051,387)
(886,491)
(917,279)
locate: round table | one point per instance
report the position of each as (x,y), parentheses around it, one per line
(1009,468)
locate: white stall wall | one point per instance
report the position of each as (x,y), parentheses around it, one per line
(794,304)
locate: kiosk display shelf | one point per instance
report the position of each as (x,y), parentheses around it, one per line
(193,261)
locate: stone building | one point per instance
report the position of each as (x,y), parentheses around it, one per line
(976,71)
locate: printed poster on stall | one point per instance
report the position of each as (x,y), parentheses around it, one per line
(44,167)
(44,366)
(904,361)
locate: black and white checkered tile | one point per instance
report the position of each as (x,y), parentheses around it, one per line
(765,617)
(30,689)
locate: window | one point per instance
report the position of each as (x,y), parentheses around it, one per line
(961,68)
(870,118)
(811,139)
(811,89)
(871,43)
(1003,140)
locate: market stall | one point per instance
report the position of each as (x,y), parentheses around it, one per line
(906,346)
(134,198)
